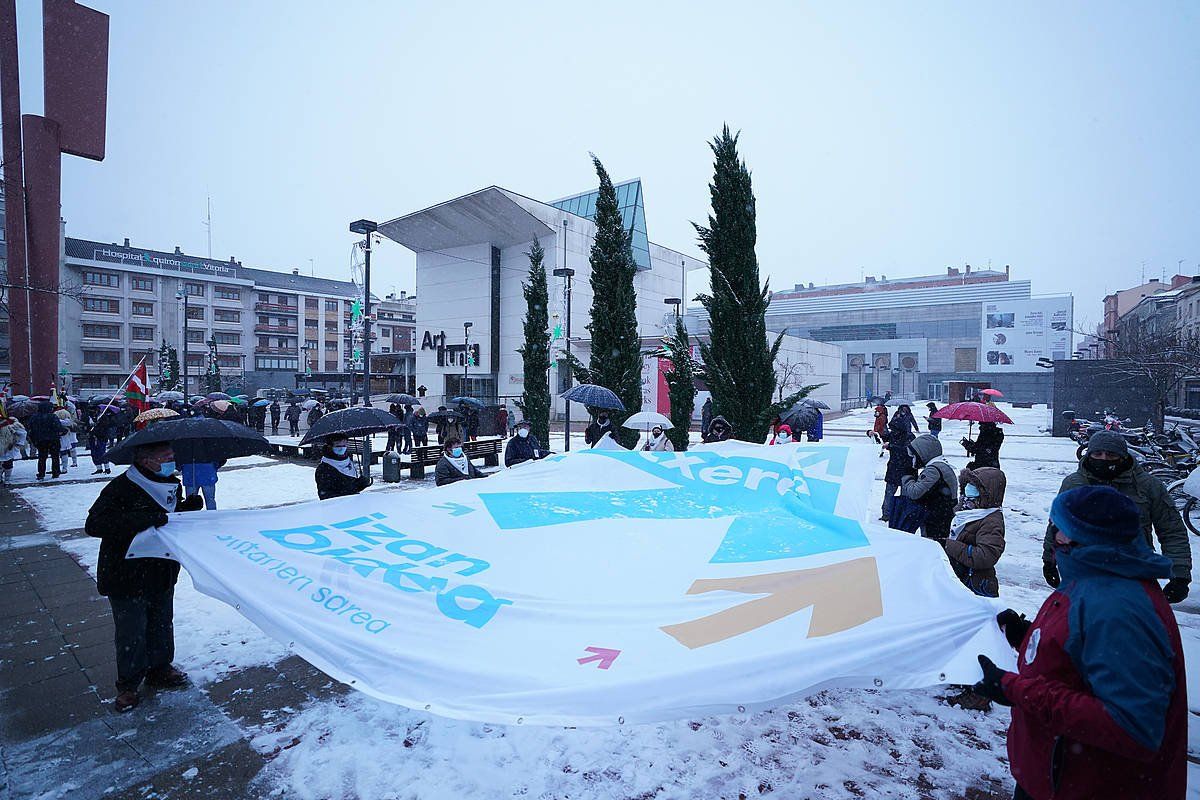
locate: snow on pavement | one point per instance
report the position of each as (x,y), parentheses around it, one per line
(835,744)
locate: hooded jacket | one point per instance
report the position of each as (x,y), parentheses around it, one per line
(44,427)
(979,544)
(898,437)
(986,447)
(1099,698)
(936,487)
(1159,515)
(726,430)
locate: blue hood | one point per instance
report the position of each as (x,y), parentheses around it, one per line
(1134,560)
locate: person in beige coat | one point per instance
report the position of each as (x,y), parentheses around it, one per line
(976,539)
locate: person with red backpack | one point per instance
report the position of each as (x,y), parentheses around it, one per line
(1099,699)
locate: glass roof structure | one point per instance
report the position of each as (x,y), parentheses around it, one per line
(633,214)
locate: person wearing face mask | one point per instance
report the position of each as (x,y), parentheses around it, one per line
(658,441)
(1108,463)
(523,447)
(783,435)
(596,430)
(1099,699)
(935,488)
(719,430)
(141,591)
(454,466)
(336,474)
(977,530)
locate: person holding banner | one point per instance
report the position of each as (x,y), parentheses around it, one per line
(454,465)
(1099,698)
(935,488)
(141,591)
(336,475)
(523,447)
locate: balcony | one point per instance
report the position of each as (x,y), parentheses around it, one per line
(260,328)
(277,351)
(277,308)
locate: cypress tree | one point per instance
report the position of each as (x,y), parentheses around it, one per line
(681,387)
(738,361)
(176,375)
(616,358)
(535,353)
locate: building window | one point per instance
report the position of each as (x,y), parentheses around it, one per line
(385,332)
(311,344)
(227,293)
(96,278)
(102,305)
(94,331)
(310,323)
(197,359)
(142,284)
(310,303)
(331,346)
(262,320)
(194,289)
(331,325)
(142,333)
(291,364)
(103,358)
(143,309)
(233,361)
(264,341)
(226,315)
(331,366)
(195,312)
(195,337)
(225,337)
(331,305)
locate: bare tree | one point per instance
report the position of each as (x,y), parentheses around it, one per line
(790,373)
(1159,357)
(71,289)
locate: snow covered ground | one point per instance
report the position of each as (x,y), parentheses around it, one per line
(836,744)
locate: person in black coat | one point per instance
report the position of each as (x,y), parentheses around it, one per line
(292,415)
(454,465)
(935,423)
(719,430)
(141,591)
(898,436)
(601,425)
(276,411)
(336,474)
(420,428)
(523,447)
(986,447)
(44,430)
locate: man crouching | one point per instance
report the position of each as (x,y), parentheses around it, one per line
(140,590)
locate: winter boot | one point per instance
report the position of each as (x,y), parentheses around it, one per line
(127,700)
(166,678)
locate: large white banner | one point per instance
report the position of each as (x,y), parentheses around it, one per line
(602,587)
(1017,333)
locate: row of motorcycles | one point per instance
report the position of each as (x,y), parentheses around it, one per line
(1171,455)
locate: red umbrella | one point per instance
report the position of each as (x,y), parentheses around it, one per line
(993,392)
(974,412)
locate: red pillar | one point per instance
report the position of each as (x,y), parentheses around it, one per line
(14,198)
(43,195)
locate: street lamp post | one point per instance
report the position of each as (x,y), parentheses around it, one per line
(181,294)
(366,227)
(568,273)
(676,302)
(466,356)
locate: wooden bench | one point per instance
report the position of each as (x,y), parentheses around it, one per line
(488,448)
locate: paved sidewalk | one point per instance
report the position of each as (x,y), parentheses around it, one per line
(59,736)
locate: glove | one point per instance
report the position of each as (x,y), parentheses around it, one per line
(193,503)
(1014,625)
(1176,590)
(159,518)
(1050,571)
(990,687)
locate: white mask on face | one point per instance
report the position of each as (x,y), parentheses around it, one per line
(522,432)
(785,437)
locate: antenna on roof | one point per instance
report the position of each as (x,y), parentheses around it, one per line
(312,268)
(208,224)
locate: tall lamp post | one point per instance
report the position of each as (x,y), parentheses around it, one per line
(568,273)
(366,227)
(466,356)
(181,294)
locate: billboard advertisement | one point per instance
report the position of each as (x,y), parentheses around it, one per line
(1017,333)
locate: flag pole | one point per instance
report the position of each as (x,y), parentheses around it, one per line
(120,389)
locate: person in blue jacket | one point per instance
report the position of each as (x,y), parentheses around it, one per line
(817,429)
(201,479)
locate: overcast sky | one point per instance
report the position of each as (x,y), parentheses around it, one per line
(890,138)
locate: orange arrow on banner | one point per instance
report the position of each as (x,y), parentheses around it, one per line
(842,596)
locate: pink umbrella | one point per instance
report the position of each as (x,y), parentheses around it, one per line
(973,412)
(993,392)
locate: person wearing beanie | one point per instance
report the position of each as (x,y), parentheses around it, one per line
(935,487)
(1107,462)
(1099,698)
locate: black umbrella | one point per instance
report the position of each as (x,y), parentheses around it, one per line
(800,417)
(403,400)
(448,414)
(593,396)
(196,440)
(357,421)
(810,401)
(468,401)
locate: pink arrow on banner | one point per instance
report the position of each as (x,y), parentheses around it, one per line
(605,656)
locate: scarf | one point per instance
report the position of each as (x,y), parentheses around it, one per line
(966,516)
(342,465)
(461,463)
(656,442)
(164,493)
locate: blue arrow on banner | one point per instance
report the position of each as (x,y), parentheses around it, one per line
(455,509)
(778,512)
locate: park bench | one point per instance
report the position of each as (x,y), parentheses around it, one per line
(488,448)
